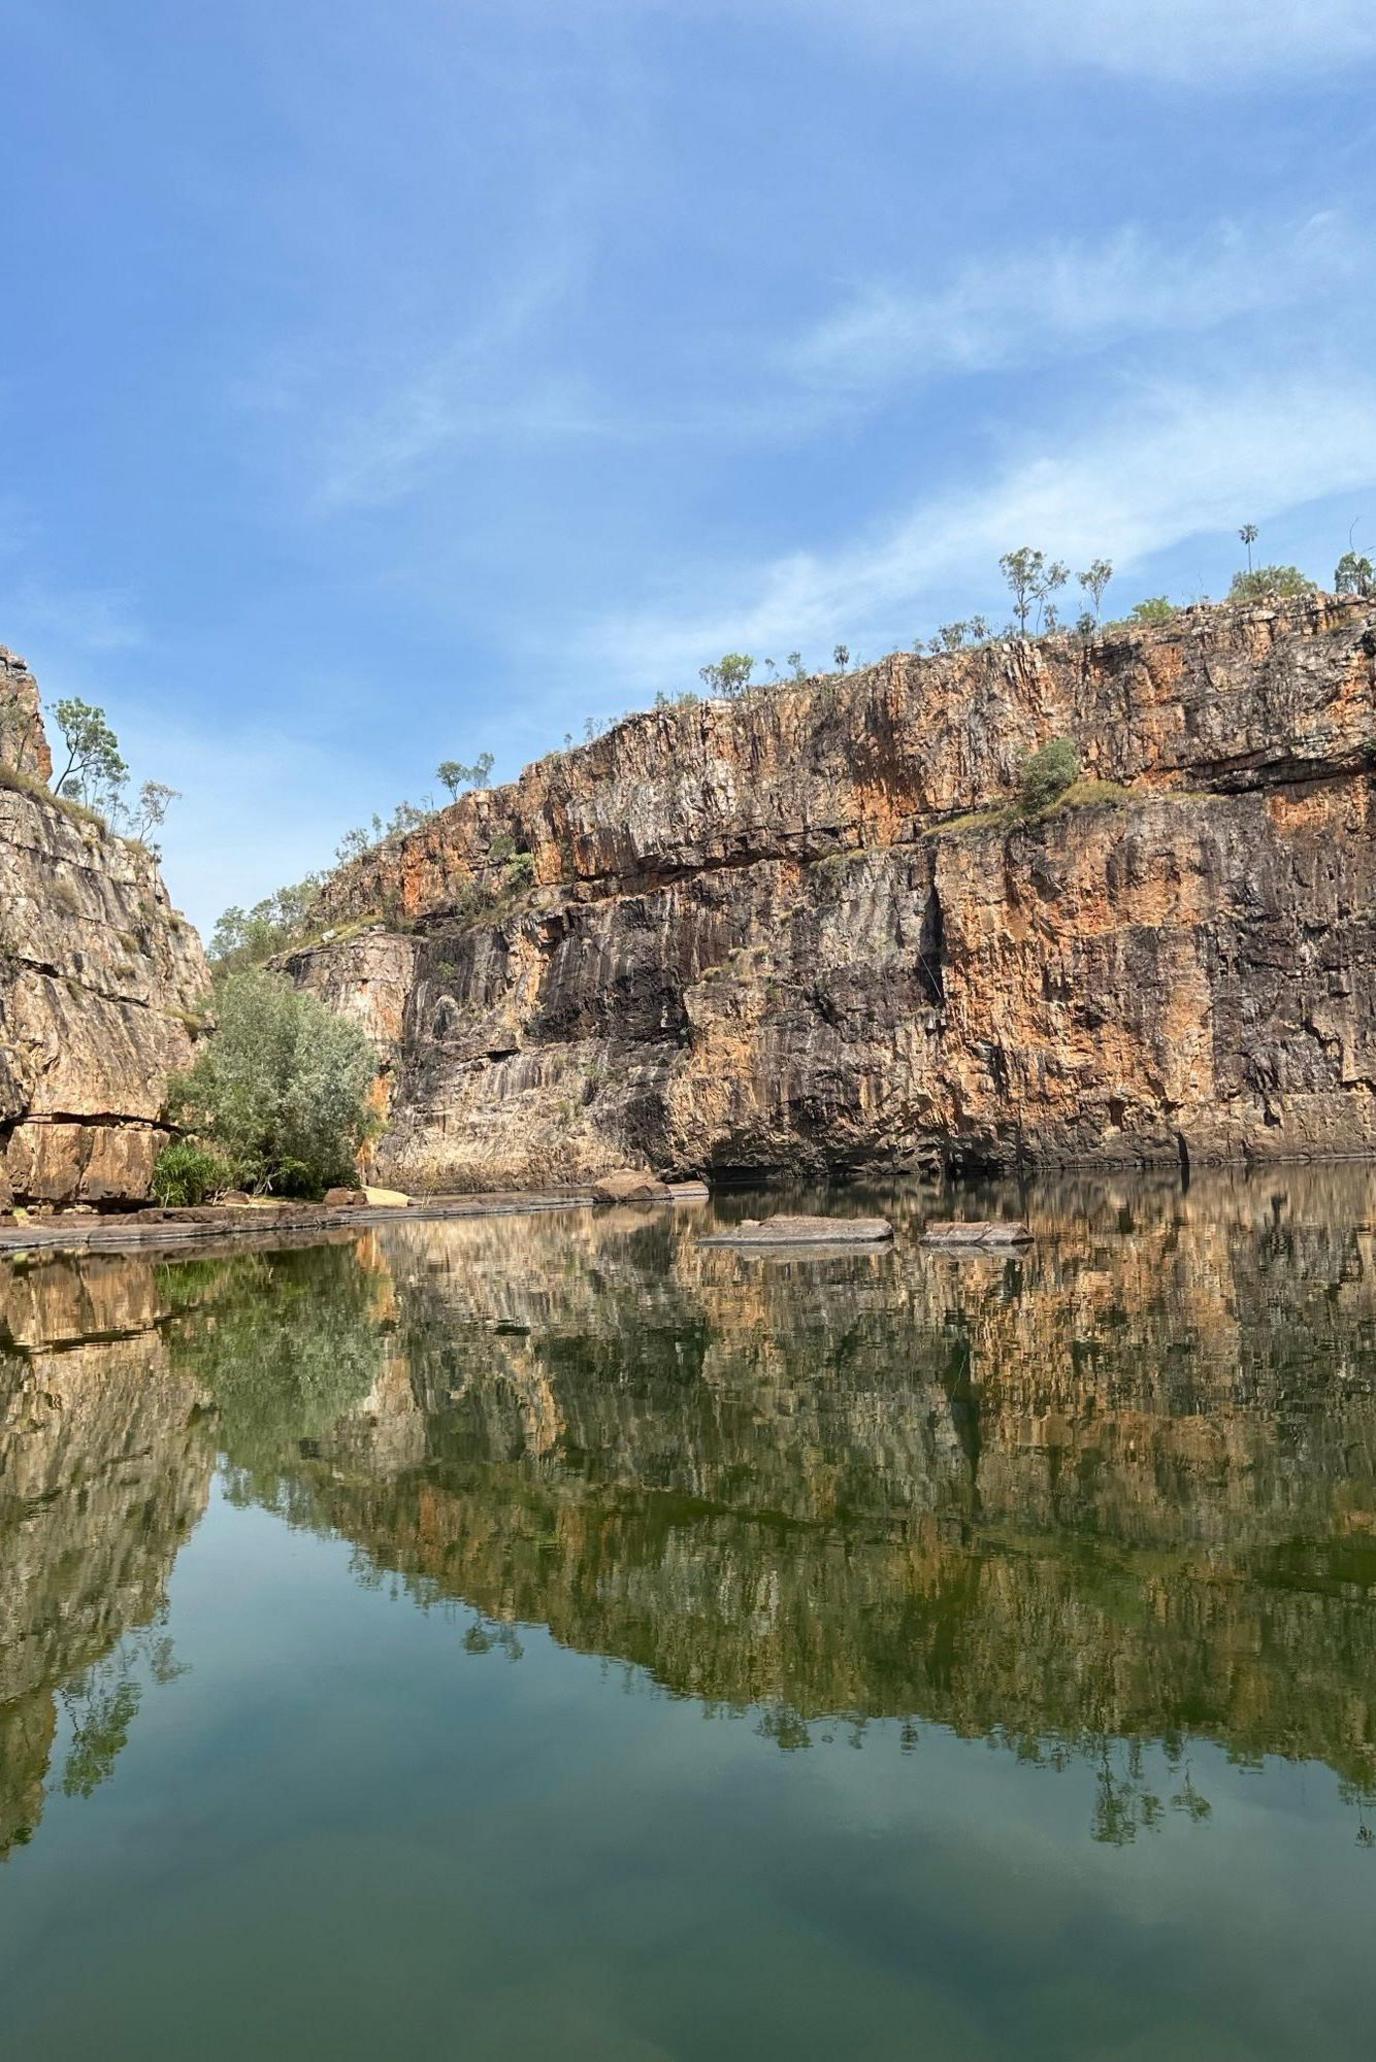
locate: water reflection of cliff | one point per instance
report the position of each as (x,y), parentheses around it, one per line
(1126,1486)
(105,1465)
(119,1381)
(1122,1490)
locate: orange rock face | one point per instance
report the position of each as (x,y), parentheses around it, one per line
(808,928)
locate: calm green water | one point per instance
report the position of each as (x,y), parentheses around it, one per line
(546,1638)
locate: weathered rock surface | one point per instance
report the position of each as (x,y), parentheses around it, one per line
(805,930)
(804,1231)
(976,1233)
(23,740)
(629,1185)
(101,986)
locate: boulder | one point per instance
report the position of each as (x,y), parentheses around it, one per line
(386,1199)
(977,1232)
(804,1231)
(629,1185)
(345,1199)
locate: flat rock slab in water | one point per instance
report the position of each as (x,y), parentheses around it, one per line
(978,1233)
(804,1231)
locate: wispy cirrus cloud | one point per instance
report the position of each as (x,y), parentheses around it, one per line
(1030,307)
(1170,463)
(1205,46)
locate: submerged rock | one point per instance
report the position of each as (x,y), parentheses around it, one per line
(804,1231)
(977,1232)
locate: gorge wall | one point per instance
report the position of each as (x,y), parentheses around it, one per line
(101,985)
(808,929)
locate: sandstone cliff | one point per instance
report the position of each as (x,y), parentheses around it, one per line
(806,929)
(101,983)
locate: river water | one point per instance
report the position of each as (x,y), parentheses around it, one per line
(547,1637)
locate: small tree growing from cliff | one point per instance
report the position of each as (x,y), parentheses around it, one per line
(95,770)
(282,1088)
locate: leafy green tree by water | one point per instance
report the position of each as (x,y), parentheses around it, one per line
(281,1089)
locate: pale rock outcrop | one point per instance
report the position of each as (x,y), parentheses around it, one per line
(102,989)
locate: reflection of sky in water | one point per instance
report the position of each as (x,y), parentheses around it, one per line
(416,1747)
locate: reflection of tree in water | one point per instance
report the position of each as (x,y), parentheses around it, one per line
(102,1701)
(287,1344)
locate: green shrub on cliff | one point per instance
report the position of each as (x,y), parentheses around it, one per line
(1048,773)
(1269,583)
(282,1088)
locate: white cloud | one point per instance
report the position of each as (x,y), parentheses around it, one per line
(1026,308)
(1173,462)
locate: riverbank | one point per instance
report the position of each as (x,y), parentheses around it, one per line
(141,1230)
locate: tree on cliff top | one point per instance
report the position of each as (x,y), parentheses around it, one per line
(1032,579)
(95,769)
(454,775)
(1354,575)
(282,1088)
(730,675)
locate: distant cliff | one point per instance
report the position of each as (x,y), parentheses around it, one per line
(101,983)
(810,928)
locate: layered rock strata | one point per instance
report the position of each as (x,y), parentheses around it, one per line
(809,929)
(102,987)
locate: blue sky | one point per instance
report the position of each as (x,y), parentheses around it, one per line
(387,384)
